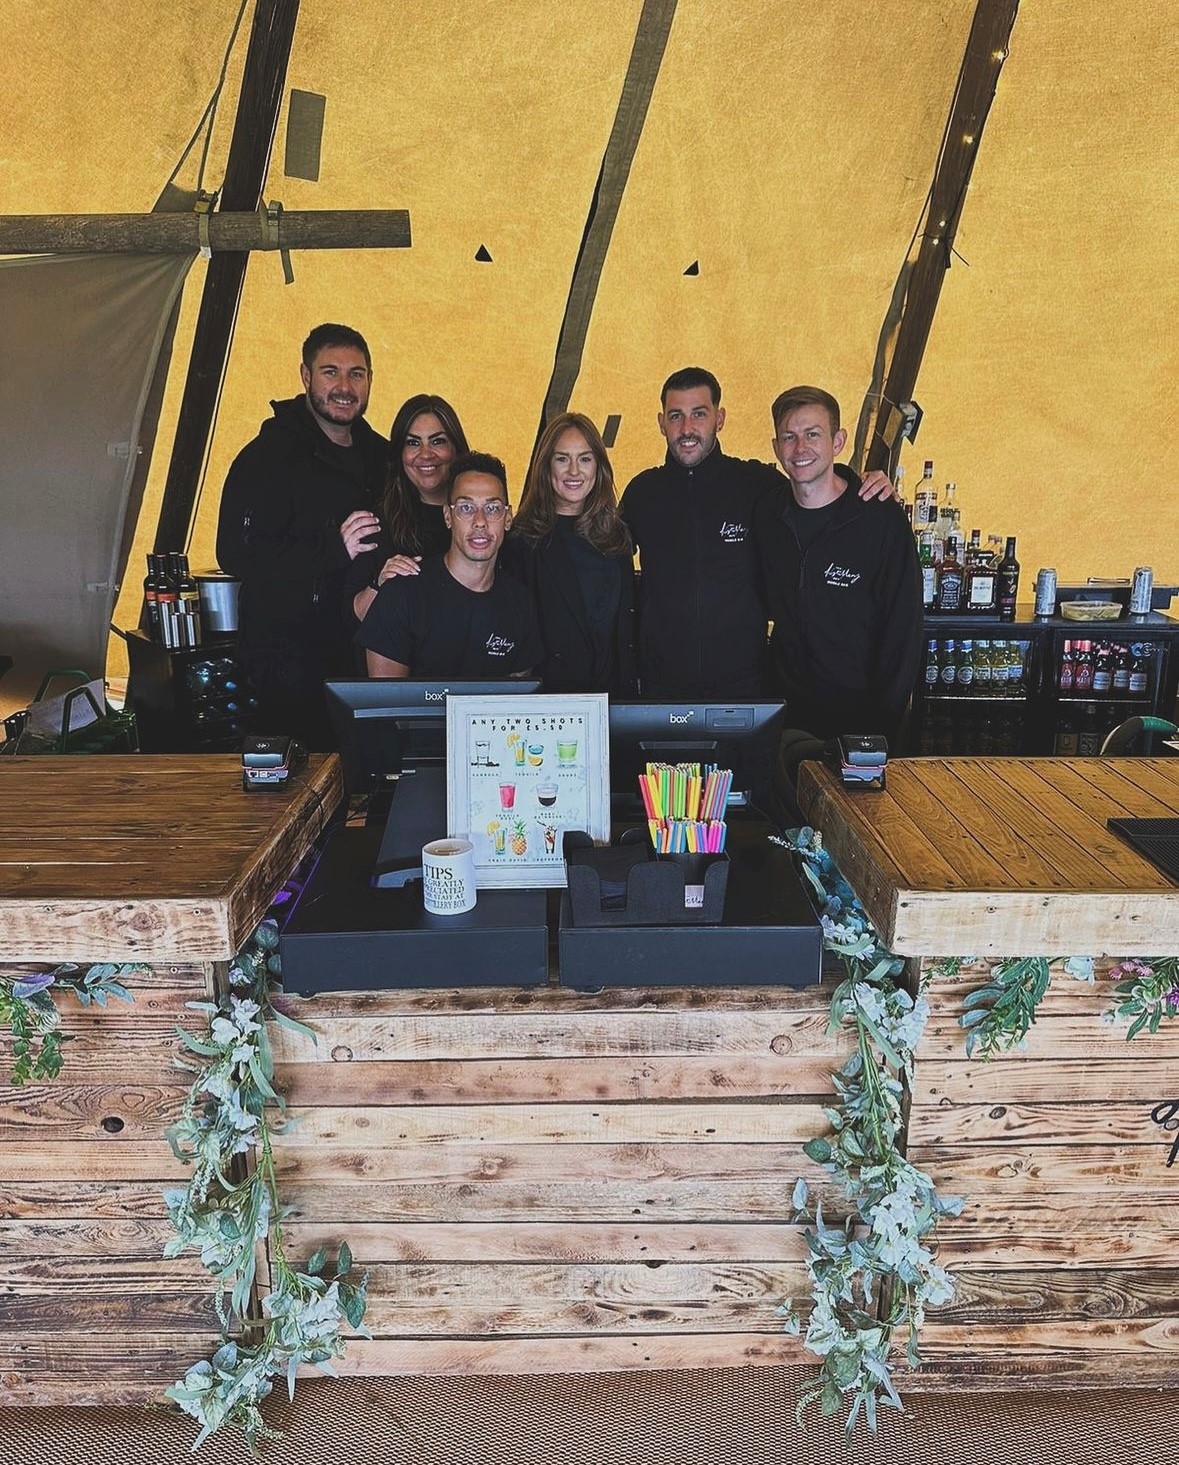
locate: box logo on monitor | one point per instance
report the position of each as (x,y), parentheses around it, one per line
(681,717)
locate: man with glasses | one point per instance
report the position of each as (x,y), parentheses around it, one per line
(458,617)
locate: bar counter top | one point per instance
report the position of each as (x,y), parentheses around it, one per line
(1003,856)
(147,858)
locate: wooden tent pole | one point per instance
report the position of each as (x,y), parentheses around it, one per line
(986,50)
(263,81)
(186,233)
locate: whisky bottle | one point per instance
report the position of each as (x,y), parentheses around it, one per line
(982,579)
(949,582)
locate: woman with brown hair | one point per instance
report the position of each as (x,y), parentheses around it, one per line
(569,545)
(425,439)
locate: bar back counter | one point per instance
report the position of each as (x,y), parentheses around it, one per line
(1065,1251)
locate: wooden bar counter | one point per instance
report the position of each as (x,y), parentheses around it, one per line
(1065,1253)
(165,861)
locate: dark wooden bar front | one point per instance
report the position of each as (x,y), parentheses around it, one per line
(1065,1252)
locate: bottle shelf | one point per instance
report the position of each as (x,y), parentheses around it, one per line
(1104,699)
(977,698)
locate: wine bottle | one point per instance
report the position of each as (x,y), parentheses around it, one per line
(166,600)
(188,603)
(151,603)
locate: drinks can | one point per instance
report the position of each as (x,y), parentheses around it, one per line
(1046,593)
(1141,591)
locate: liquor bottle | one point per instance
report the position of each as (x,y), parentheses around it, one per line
(948,661)
(948,514)
(1121,673)
(898,483)
(1103,671)
(965,677)
(925,499)
(166,601)
(949,582)
(928,573)
(1140,671)
(1066,678)
(932,667)
(1083,668)
(1008,576)
(151,604)
(981,579)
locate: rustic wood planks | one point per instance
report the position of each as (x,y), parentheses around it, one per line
(546,1181)
(1003,856)
(147,858)
(1065,1251)
(89,1310)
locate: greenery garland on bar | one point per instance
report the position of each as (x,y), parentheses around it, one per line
(883,1248)
(872,1275)
(231,1204)
(28,1009)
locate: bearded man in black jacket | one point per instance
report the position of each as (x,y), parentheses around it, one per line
(702,605)
(296,507)
(842,580)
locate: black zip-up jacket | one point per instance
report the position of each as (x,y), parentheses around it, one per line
(847,612)
(702,616)
(285,497)
(575,660)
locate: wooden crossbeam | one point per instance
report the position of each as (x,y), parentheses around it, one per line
(186,233)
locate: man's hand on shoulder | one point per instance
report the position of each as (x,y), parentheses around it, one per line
(877,485)
(359,531)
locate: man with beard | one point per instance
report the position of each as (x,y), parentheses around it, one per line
(458,617)
(702,611)
(296,506)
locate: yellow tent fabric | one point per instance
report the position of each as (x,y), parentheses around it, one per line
(787,151)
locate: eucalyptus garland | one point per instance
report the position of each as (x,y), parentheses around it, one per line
(29,1011)
(231,1204)
(998,1015)
(873,1274)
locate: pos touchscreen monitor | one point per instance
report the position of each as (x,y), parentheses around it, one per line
(386,726)
(392,736)
(743,736)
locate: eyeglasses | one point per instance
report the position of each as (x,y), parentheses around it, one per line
(492,510)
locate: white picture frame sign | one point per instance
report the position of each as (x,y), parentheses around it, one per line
(519,772)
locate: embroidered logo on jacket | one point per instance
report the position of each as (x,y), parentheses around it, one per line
(499,645)
(733,533)
(839,577)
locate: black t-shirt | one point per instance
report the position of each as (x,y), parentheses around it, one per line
(439,628)
(808,524)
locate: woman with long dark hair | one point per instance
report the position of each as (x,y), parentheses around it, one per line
(569,545)
(425,439)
